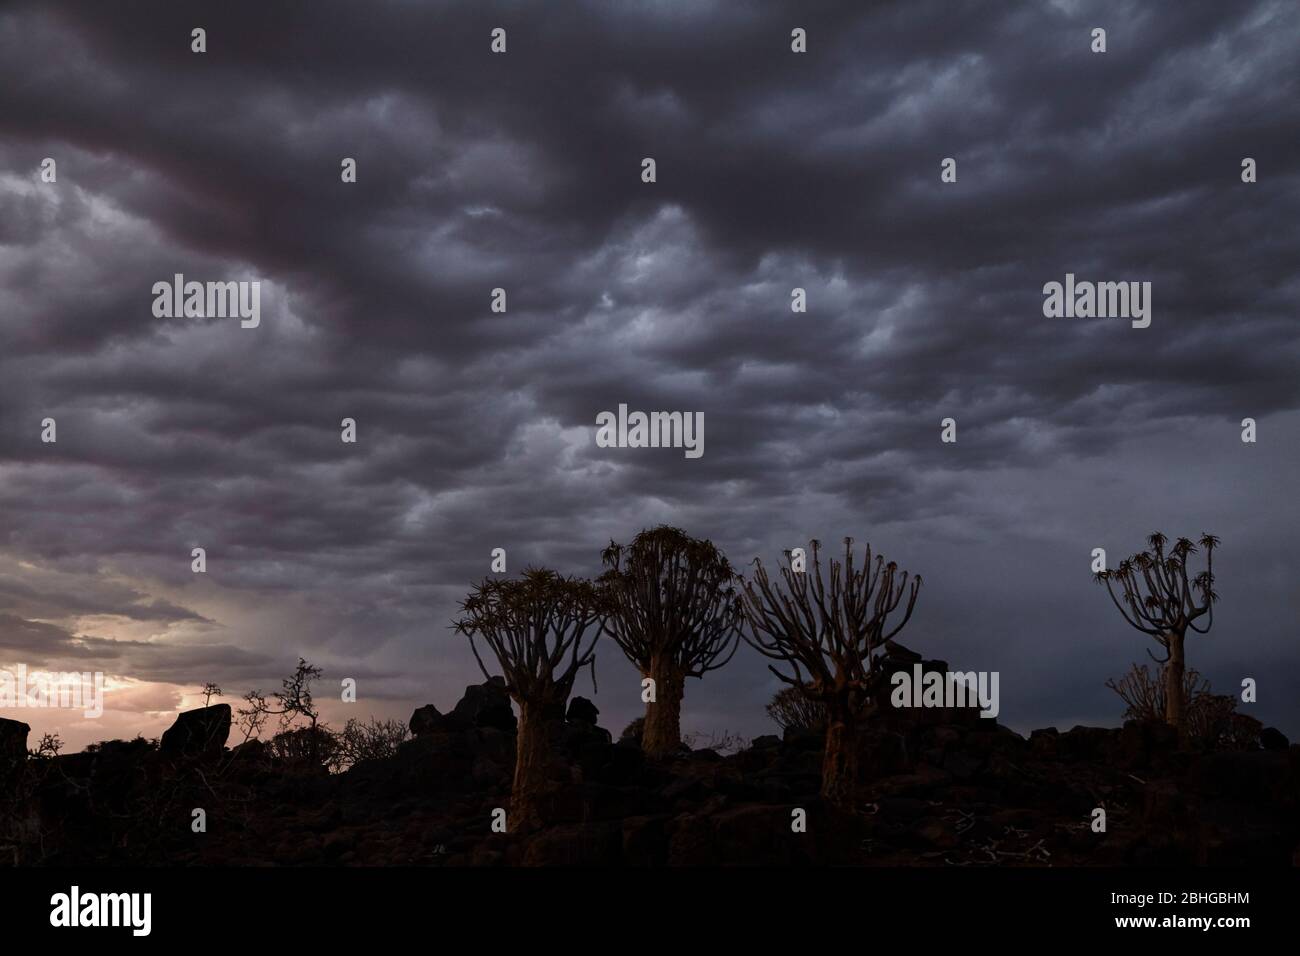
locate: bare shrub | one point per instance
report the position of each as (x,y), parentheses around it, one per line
(373,740)
(792,710)
(307,746)
(723,743)
(1211,719)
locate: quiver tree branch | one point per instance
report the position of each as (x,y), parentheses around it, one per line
(1155,594)
(824,628)
(675,612)
(542,628)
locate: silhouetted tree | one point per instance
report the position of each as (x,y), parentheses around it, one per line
(292,703)
(48,746)
(1158,598)
(210,690)
(675,612)
(828,629)
(536,627)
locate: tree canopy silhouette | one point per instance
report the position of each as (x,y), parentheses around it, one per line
(537,627)
(675,612)
(1158,598)
(825,629)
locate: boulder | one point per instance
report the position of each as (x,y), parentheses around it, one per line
(704,755)
(896,659)
(199,732)
(13,746)
(611,764)
(1142,743)
(1042,742)
(488,774)
(571,738)
(492,743)
(13,739)
(497,716)
(1270,738)
(250,750)
(583,711)
(486,705)
(428,720)
(798,738)
(1084,743)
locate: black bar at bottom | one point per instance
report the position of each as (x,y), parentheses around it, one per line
(988,904)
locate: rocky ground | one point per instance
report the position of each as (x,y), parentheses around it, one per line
(949,790)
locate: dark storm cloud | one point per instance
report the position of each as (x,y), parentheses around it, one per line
(522,171)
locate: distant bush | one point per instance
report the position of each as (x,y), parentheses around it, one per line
(633,730)
(136,746)
(1212,719)
(48,746)
(375,740)
(723,743)
(791,710)
(306,746)
(1215,723)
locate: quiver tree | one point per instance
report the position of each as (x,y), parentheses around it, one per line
(1157,597)
(675,612)
(537,627)
(825,630)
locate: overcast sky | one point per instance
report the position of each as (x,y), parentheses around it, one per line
(476,430)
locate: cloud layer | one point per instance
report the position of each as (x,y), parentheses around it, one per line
(522,171)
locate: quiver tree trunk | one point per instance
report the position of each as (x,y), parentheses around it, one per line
(532,755)
(662,732)
(840,760)
(1175,670)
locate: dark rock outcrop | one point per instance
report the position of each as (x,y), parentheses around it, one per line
(13,748)
(582,710)
(1270,738)
(485,705)
(428,720)
(935,792)
(198,733)
(13,739)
